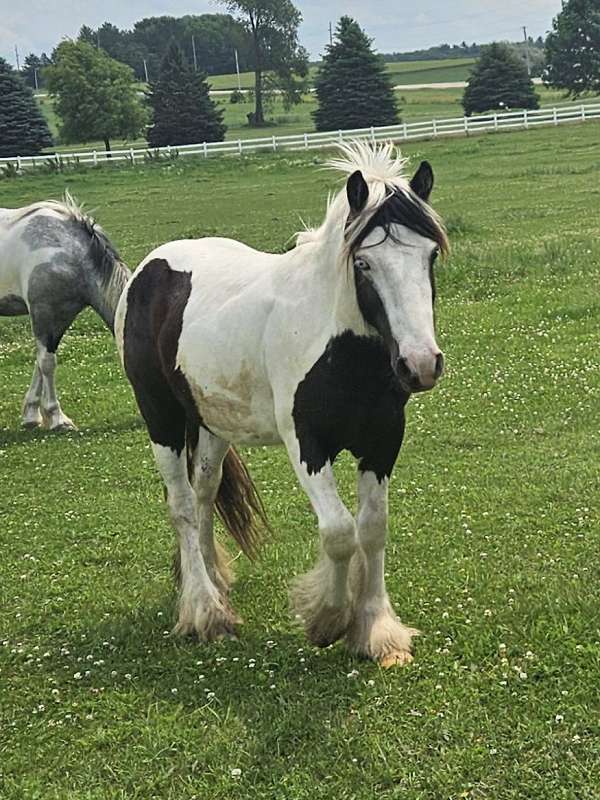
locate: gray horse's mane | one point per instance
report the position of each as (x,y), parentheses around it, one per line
(110,270)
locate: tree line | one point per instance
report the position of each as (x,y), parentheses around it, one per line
(96,95)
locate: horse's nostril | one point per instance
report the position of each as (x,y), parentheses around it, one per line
(439,366)
(403,370)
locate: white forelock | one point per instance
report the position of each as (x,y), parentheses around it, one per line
(382,167)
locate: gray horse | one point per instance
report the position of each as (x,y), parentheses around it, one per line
(54,262)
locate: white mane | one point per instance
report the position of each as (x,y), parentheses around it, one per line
(382,167)
(68,207)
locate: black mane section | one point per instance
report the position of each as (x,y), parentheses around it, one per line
(404,209)
(104,254)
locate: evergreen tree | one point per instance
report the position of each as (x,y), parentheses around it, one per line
(499,80)
(352,86)
(573,48)
(23,129)
(183,110)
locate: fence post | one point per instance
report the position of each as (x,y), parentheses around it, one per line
(95,158)
(132,155)
(340,136)
(306,140)
(525,118)
(57,159)
(240,146)
(274,144)
(205,150)
(19,163)
(404,131)
(373,134)
(466,123)
(495,122)
(434,126)
(555,115)
(583,113)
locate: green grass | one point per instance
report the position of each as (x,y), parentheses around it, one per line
(433,71)
(494,506)
(415,105)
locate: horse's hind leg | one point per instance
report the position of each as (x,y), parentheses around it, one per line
(203,610)
(206,473)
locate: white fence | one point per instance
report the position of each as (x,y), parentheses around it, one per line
(456,126)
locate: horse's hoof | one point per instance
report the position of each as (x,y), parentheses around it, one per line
(31,424)
(63,426)
(400,658)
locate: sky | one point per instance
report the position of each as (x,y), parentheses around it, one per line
(395,25)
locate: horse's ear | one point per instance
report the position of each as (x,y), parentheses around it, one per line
(422,182)
(357,191)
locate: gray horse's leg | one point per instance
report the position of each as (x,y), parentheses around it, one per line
(49,320)
(54,417)
(32,416)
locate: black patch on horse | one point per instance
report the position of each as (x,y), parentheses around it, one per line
(351,400)
(403,208)
(156,301)
(12,306)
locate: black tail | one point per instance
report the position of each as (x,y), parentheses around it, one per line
(239,505)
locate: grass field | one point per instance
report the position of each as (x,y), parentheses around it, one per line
(494,506)
(403,72)
(415,105)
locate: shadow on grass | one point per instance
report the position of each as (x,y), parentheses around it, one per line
(21,436)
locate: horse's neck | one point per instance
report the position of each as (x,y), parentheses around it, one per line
(330,285)
(103,296)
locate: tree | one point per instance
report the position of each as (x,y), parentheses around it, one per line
(23,129)
(573,48)
(273,27)
(183,110)
(95,96)
(352,85)
(499,80)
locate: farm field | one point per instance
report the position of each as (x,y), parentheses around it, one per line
(495,522)
(415,105)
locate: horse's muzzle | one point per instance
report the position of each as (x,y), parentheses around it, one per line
(419,381)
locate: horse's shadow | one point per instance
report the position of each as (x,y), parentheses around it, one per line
(275,685)
(22,436)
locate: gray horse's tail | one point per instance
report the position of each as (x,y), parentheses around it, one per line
(239,505)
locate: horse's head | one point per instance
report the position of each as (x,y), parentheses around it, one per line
(393,252)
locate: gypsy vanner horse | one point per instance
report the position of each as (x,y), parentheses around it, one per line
(318,349)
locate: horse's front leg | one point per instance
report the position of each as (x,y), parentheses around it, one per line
(376,632)
(54,417)
(321,598)
(32,416)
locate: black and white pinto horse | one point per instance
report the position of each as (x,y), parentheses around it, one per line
(54,261)
(319,349)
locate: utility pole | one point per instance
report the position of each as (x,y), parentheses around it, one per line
(194,52)
(146,71)
(527,50)
(17,57)
(237,69)
(330,35)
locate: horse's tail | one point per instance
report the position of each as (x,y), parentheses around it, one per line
(239,505)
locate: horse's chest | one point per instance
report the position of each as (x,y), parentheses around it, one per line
(349,401)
